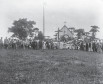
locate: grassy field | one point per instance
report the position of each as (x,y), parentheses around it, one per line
(50,67)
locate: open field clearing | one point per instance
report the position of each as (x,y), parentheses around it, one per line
(50,67)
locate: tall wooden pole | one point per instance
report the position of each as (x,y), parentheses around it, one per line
(43,18)
(58,31)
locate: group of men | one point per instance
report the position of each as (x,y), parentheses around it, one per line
(91,46)
(10,43)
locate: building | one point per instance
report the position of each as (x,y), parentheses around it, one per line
(65,32)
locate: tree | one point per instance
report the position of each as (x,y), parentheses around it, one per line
(94,29)
(72,29)
(80,32)
(65,39)
(62,38)
(86,34)
(22,28)
(40,35)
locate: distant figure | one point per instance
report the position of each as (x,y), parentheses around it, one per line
(61,45)
(90,46)
(81,46)
(86,46)
(94,46)
(47,45)
(14,45)
(1,43)
(40,44)
(37,44)
(99,48)
(33,44)
(64,45)
(44,45)
(102,46)
(6,43)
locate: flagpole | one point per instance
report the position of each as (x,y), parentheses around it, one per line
(43,18)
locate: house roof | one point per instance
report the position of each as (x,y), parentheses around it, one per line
(67,28)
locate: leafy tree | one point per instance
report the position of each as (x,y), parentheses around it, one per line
(36,30)
(86,33)
(69,38)
(22,28)
(80,32)
(94,29)
(72,29)
(40,35)
(62,38)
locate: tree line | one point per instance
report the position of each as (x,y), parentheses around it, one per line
(81,32)
(23,28)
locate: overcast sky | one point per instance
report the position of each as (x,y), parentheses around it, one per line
(77,13)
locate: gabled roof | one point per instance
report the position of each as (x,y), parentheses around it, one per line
(67,28)
(63,27)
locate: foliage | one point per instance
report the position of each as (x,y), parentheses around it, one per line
(63,38)
(94,29)
(80,32)
(22,28)
(72,28)
(86,33)
(40,35)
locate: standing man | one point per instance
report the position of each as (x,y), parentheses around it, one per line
(40,44)
(1,43)
(6,43)
(89,46)
(86,46)
(102,46)
(94,46)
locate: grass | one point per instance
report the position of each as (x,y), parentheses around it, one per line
(50,67)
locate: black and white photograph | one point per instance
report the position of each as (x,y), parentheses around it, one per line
(51,41)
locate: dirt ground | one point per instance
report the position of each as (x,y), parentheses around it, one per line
(50,67)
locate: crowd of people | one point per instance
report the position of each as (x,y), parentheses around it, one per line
(93,46)
(11,43)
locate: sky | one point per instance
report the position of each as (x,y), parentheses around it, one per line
(77,13)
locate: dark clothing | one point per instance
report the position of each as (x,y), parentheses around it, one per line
(102,47)
(34,45)
(94,47)
(89,45)
(86,46)
(81,46)
(40,45)
(47,45)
